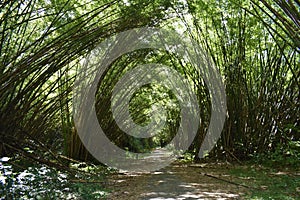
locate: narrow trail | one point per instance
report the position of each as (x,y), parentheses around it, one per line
(178,181)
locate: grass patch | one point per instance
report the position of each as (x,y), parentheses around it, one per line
(268,183)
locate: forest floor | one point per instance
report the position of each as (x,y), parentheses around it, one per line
(206,181)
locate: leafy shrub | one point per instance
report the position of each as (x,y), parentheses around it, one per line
(41,182)
(287,155)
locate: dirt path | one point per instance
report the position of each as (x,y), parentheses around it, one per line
(178,181)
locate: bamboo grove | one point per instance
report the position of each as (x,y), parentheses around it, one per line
(254,44)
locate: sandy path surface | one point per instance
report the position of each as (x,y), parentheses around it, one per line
(178,181)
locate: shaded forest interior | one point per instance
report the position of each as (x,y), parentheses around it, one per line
(254,45)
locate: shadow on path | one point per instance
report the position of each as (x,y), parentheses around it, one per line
(175,182)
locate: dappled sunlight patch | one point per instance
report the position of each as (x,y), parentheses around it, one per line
(156,194)
(120,181)
(42,182)
(186,186)
(190,195)
(220,194)
(175,182)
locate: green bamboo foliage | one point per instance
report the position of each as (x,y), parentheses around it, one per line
(254,44)
(260,63)
(285,14)
(41,43)
(38,46)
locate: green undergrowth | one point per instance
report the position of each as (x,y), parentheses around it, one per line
(284,156)
(267,182)
(42,182)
